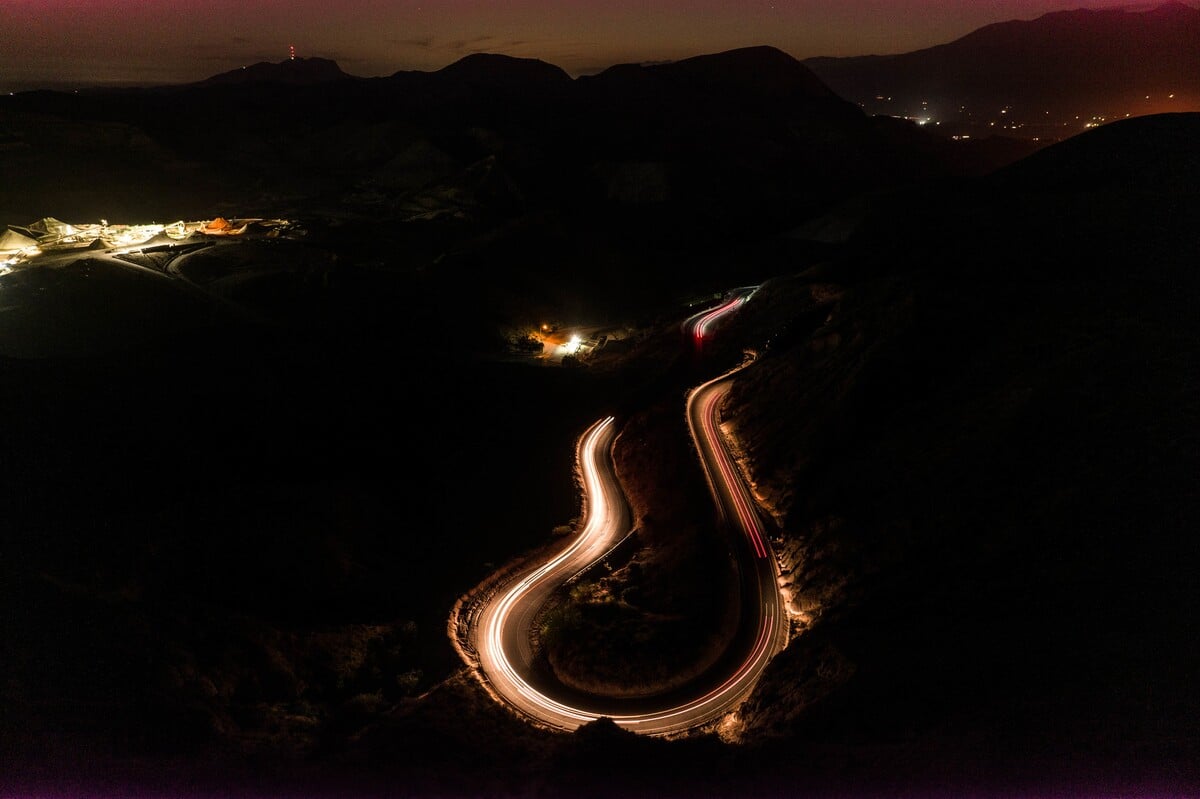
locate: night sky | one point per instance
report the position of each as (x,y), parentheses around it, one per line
(57,43)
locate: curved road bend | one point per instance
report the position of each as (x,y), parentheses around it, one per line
(501,629)
(699,325)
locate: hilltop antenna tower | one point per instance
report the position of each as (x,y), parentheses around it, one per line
(292,52)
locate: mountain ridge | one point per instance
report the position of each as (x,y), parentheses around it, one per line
(736,66)
(743,136)
(1049,77)
(293,71)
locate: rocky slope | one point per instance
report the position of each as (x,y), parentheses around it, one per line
(977,429)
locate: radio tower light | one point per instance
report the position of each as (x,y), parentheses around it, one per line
(292,51)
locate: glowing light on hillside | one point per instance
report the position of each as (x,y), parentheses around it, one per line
(53,235)
(128,235)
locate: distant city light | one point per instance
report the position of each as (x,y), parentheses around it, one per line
(52,235)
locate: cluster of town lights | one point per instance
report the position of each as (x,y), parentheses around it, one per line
(19,244)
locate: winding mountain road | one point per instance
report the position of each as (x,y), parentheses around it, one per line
(498,630)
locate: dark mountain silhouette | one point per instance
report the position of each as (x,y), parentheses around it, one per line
(734,130)
(294,72)
(491,70)
(1154,155)
(1086,62)
(760,74)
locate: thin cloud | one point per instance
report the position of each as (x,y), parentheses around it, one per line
(461,45)
(498,47)
(422,42)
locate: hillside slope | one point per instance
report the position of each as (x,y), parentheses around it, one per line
(979,433)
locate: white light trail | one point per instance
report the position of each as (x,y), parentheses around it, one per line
(502,626)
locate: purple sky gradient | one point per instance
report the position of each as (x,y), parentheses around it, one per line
(92,42)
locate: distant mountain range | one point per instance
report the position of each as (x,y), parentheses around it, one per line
(1051,76)
(738,140)
(1045,79)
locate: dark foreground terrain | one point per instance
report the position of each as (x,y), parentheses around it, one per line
(238,511)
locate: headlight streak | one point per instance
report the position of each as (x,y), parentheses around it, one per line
(730,477)
(701,324)
(508,616)
(712,317)
(596,533)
